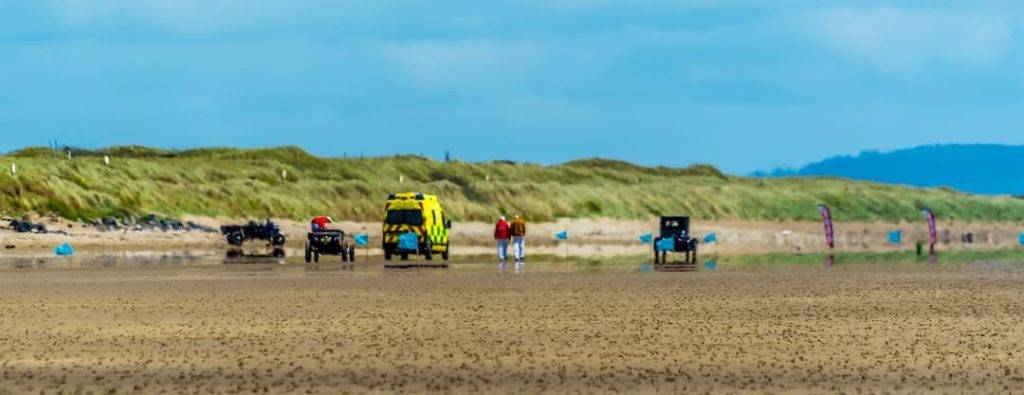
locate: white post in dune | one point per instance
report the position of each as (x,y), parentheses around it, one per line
(14,169)
(284,175)
(401,179)
(106,160)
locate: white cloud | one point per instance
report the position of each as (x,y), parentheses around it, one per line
(901,39)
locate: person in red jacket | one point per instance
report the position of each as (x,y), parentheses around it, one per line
(320,223)
(501,235)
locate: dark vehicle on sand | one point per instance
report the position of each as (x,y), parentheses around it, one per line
(237,235)
(674,236)
(329,242)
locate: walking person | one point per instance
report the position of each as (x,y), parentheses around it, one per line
(501,235)
(518,231)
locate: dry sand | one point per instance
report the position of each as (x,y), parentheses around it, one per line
(857,329)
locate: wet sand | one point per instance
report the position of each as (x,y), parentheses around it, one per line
(176,328)
(588,237)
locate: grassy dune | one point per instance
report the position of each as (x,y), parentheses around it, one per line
(249,183)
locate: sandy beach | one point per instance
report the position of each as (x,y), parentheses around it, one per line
(296,329)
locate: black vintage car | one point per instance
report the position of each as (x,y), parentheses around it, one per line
(674,236)
(329,242)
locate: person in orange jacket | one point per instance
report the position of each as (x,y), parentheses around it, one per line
(518,231)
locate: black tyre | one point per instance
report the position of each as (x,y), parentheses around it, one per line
(316,257)
(352,253)
(387,254)
(428,252)
(405,256)
(444,255)
(235,238)
(277,240)
(309,253)
(344,256)
(278,253)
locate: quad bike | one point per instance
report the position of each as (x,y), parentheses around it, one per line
(329,242)
(237,235)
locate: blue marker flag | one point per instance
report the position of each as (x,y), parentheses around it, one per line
(563,235)
(666,244)
(711,265)
(64,250)
(409,242)
(361,239)
(895,237)
(646,238)
(711,238)
(1021,239)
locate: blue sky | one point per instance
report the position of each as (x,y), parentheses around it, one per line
(743,85)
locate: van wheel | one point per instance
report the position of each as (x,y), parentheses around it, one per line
(405,256)
(444,255)
(387,254)
(428,251)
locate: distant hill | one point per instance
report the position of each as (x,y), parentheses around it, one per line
(975,168)
(290,183)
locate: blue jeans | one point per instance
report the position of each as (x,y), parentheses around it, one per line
(502,249)
(517,247)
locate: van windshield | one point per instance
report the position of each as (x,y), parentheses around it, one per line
(405,217)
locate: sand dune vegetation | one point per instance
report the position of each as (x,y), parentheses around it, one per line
(288,182)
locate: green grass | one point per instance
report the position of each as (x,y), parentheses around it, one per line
(249,183)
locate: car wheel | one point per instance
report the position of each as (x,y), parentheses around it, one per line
(236,238)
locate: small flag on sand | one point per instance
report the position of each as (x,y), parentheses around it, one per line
(362,239)
(646,238)
(563,235)
(64,250)
(666,244)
